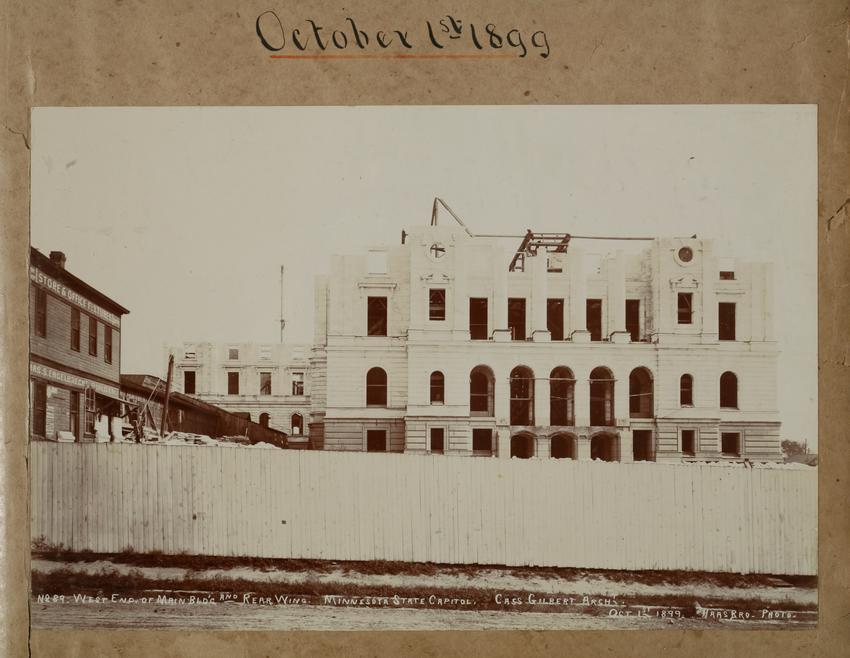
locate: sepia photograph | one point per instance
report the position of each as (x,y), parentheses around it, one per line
(421,367)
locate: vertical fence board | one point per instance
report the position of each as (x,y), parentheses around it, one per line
(356,506)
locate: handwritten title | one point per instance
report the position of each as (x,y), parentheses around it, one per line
(446,37)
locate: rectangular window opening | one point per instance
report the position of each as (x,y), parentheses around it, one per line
(482,441)
(189,382)
(75,329)
(478,318)
(555,318)
(516,317)
(233,354)
(594,319)
(633,319)
(39,409)
(377,316)
(436,304)
(41,312)
(107,343)
(438,437)
(642,445)
(685,307)
(730,444)
(376,440)
(297,383)
(726,321)
(233,383)
(74,415)
(265,383)
(689,442)
(92,336)
(91,410)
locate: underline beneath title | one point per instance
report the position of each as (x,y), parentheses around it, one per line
(402,56)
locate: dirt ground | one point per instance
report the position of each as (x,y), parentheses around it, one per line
(132,591)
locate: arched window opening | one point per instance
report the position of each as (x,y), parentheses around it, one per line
(522,396)
(297,424)
(640,393)
(376,387)
(603,447)
(561,396)
(264,419)
(438,385)
(601,397)
(686,391)
(522,446)
(481,391)
(728,390)
(563,447)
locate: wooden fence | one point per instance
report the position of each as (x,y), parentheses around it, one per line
(366,506)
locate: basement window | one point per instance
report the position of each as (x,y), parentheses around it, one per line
(438,440)
(689,442)
(482,441)
(730,444)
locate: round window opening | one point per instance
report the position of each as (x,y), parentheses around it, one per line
(437,250)
(686,254)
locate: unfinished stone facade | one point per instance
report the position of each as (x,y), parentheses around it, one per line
(268,382)
(434,346)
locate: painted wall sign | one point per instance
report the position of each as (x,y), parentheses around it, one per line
(63,291)
(51,374)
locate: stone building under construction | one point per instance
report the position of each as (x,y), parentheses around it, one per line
(446,344)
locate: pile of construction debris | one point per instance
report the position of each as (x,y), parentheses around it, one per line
(152,437)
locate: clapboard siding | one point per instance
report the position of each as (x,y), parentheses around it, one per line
(344,506)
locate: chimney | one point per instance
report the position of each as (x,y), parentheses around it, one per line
(58,258)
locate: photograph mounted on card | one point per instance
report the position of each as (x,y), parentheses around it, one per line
(457,367)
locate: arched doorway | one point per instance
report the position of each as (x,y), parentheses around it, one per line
(481,391)
(561,396)
(264,419)
(640,393)
(297,424)
(604,447)
(601,397)
(728,390)
(522,446)
(563,446)
(522,396)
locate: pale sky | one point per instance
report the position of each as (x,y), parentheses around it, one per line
(185,215)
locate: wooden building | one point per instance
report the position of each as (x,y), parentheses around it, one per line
(75,355)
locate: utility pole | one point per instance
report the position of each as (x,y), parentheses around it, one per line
(282,320)
(162,426)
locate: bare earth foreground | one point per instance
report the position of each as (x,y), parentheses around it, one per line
(156,591)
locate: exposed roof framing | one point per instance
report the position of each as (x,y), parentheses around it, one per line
(553,243)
